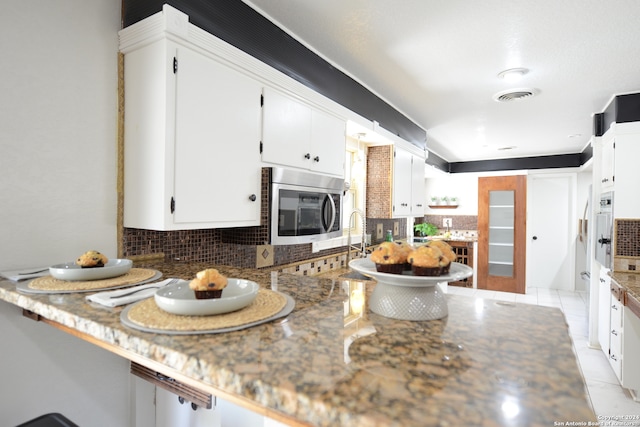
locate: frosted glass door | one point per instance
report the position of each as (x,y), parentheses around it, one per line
(502,209)
(501,232)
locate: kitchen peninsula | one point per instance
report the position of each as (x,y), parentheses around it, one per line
(487,362)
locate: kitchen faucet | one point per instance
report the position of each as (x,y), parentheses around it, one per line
(362,248)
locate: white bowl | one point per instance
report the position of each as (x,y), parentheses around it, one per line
(73,272)
(178,298)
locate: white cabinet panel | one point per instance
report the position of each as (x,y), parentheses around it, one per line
(191,141)
(286,131)
(408,184)
(296,135)
(604,310)
(402,183)
(418,197)
(217,165)
(328,143)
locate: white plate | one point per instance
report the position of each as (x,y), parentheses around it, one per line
(73,272)
(368,268)
(180,299)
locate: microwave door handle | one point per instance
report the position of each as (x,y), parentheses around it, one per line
(333,212)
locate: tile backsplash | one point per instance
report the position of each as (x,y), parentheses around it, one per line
(626,255)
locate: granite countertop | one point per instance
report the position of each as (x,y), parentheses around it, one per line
(629,281)
(487,363)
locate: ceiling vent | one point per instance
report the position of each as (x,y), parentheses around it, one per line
(513,95)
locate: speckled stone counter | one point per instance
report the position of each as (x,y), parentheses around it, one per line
(629,281)
(488,363)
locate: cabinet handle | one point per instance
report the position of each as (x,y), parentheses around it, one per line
(613,357)
(614,307)
(253,197)
(307,156)
(419,205)
(613,332)
(316,159)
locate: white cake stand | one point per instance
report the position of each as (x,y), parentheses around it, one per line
(409,297)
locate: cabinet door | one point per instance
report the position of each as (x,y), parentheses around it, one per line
(604,310)
(402,183)
(626,177)
(286,131)
(328,143)
(502,210)
(615,338)
(630,349)
(608,159)
(217,158)
(418,197)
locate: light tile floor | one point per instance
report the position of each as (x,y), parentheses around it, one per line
(608,398)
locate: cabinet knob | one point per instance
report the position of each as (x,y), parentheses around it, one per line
(316,159)
(307,156)
(535,237)
(253,197)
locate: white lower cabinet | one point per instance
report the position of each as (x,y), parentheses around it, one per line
(621,343)
(630,375)
(170,412)
(191,141)
(604,310)
(615,338)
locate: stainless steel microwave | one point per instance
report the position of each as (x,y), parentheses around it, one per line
(304,207)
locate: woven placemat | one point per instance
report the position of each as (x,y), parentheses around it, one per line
(147,314)
(49,283)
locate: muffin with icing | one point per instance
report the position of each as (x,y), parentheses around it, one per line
(92,259)
(428,261)
(447,252)
(208,284)
(389,257)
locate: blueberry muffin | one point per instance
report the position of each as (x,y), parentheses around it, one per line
(389,257)
(92,259)
(447,252)
(428,261)
(208,284)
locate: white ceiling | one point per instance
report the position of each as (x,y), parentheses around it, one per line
(437,62)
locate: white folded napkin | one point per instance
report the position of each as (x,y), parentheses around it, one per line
(113,298)
(25,273)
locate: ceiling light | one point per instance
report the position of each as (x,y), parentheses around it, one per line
(512,74)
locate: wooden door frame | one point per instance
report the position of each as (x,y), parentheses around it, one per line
(518,184)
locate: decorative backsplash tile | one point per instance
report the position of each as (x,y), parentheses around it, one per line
(627,234)
(626,245)
(459,222)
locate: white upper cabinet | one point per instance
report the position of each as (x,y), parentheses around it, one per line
(408,184)
(619,169)
(192,135)
(298,135)
(607,166)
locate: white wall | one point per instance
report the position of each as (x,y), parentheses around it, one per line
(58,112)
(461,185)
